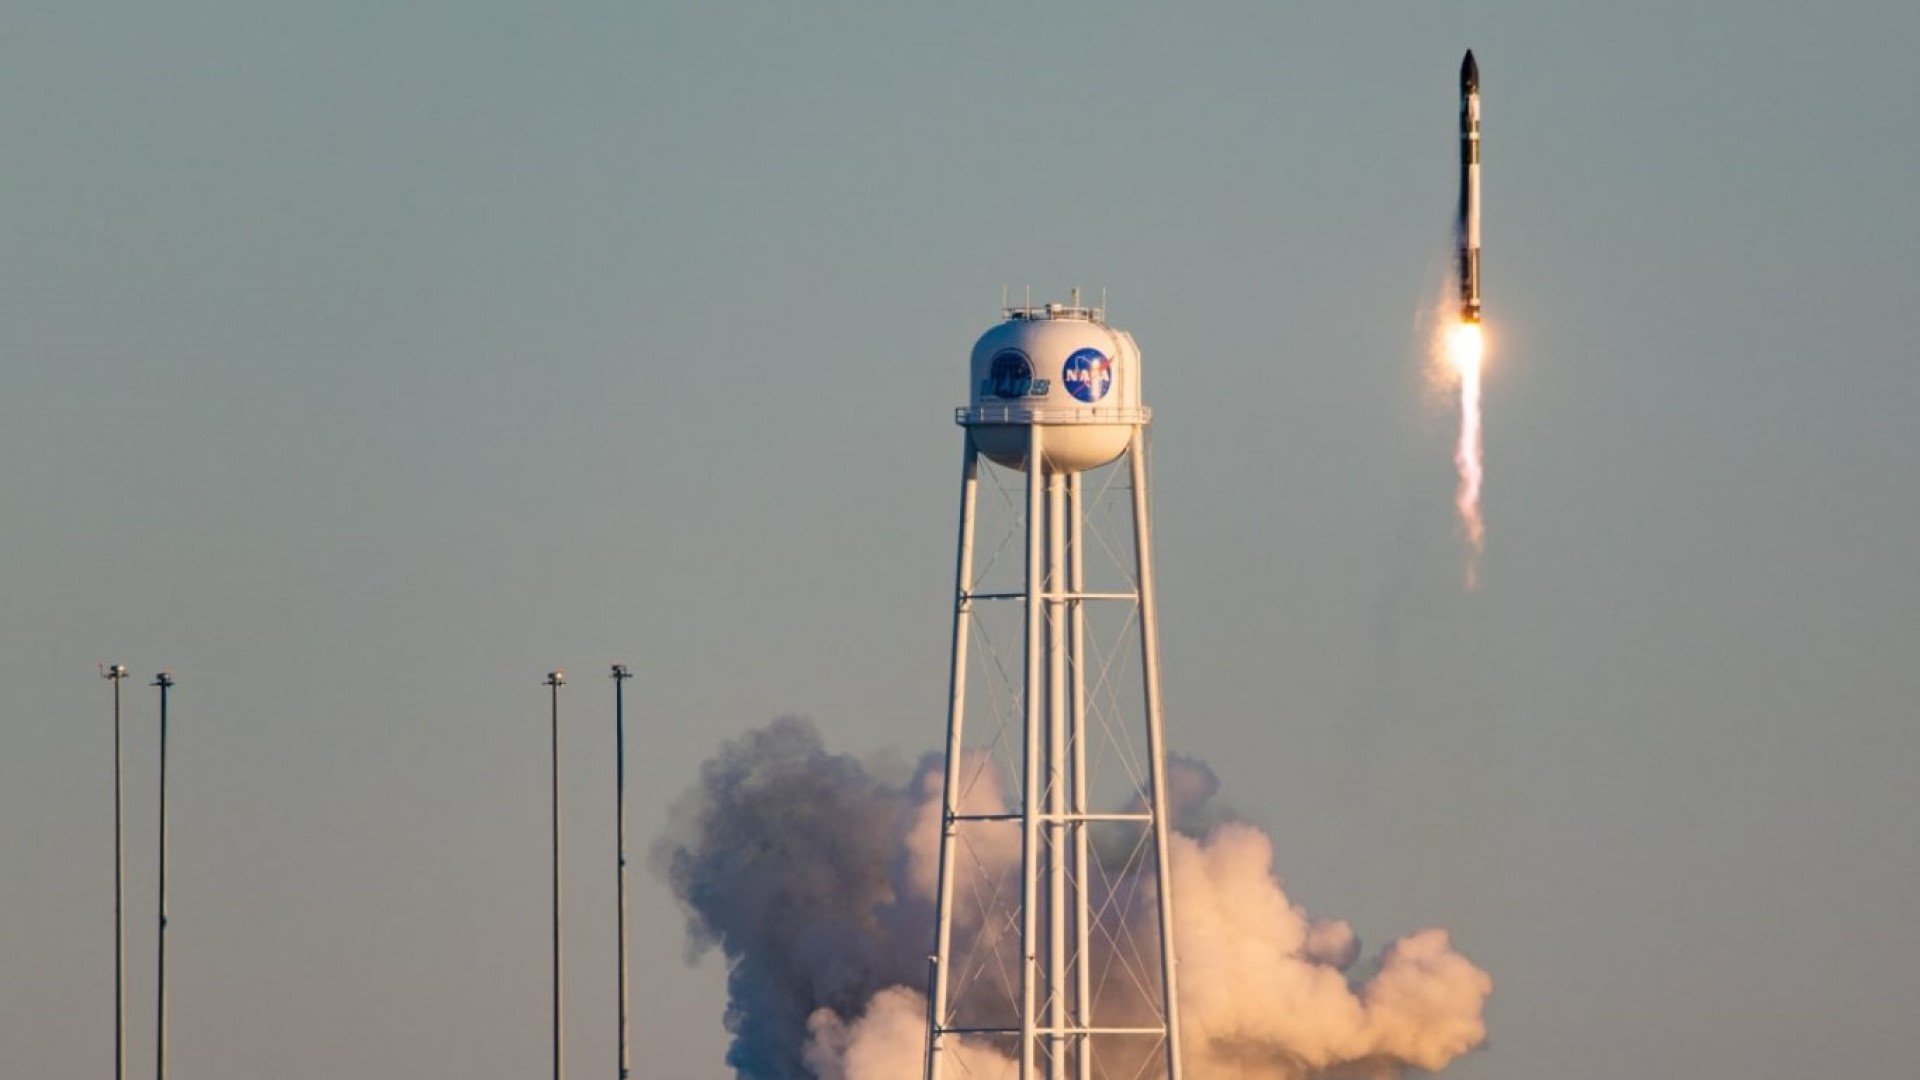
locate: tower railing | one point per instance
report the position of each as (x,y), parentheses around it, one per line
(968,416)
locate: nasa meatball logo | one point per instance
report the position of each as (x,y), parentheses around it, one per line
(1010,377)
(1088,375)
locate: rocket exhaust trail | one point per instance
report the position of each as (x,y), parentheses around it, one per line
(1464,343)
(1464,351)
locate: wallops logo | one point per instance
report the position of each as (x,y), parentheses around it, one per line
(1011,377)
(1088,375)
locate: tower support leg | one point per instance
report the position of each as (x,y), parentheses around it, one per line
(1156,740)
(1030,798)
(1056,777)
(938,985)
(1077,718)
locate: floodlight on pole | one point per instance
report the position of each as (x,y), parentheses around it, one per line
(164,680)
(114,673)
(554,681)
(620,675)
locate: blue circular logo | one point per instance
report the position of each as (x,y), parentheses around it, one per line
(1088,375)
(1010,376)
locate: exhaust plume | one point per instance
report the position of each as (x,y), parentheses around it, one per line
(814,878)
(1460,349)
(1466,349)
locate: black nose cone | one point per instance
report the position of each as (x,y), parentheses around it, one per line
(1469,74)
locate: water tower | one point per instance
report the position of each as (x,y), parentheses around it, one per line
(1054,940)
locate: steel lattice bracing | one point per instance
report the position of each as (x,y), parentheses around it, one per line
(1053,949)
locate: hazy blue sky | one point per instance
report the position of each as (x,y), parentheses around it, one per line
(363,361)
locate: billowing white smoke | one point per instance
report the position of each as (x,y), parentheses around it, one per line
(815,879)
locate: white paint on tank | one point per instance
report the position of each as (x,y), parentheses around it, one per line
(1060,366)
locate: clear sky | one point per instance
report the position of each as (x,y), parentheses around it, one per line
(364,361)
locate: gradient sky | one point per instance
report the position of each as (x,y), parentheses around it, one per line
(363,361)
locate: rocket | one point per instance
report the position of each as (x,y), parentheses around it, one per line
(1467,224)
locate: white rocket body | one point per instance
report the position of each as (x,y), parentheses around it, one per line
(1467,226)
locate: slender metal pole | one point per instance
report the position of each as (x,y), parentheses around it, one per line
(164,681)
(1156,740)
(1056,777)
(555,680)
(115,673)
(1030,767)
(956,714)
(1077,661)
(620,677)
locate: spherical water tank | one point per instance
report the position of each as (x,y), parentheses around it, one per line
(1062,368)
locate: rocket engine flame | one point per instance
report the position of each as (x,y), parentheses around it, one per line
(1465,350)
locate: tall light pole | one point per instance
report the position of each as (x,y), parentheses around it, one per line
(164,681)
(114,673)
(620,677)
(555,680)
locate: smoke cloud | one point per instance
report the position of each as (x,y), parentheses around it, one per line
(815,878)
